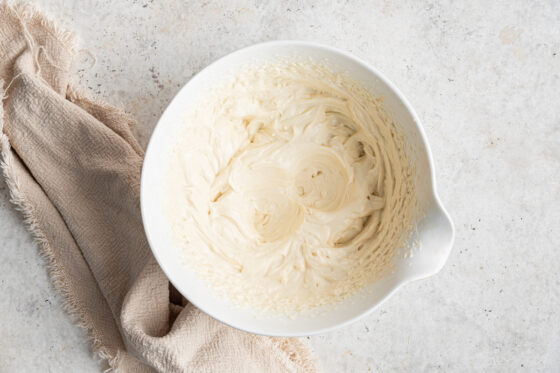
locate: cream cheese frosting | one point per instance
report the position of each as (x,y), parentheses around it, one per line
(289,187)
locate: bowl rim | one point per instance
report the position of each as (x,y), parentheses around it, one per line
(418,124)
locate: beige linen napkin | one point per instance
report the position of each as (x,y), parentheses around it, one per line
(72,167)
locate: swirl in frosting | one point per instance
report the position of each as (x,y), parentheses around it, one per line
(289,187)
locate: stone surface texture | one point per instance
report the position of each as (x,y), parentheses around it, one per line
(484,77)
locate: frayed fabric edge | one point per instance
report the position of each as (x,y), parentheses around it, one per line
(73,94)
(27,13)
(21,203)
(30,13)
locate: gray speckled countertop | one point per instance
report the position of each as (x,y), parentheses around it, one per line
(484,77)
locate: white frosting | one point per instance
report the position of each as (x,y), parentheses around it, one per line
(289,188)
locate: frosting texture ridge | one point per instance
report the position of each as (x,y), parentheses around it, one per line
(289,187)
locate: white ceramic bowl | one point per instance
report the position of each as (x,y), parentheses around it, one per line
(432,239)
